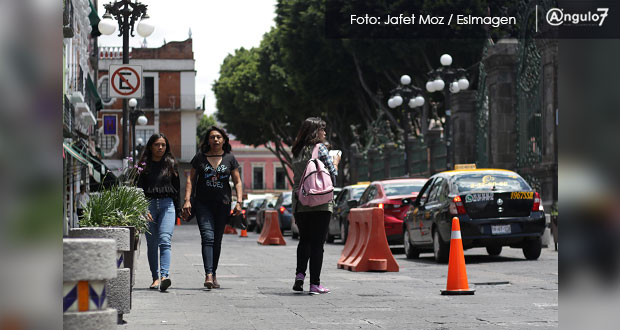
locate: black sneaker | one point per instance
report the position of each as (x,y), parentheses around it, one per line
(165,284)
(299,282)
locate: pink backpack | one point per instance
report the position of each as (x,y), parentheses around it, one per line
(316,185)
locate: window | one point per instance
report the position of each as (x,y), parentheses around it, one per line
(257,178)
(144,134)
(148,100)
(435,191)
(108,142)
(280,178)
(103,91)
(343,197)
(423,196)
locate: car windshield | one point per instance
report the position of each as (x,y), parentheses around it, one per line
(256,202)
(394,189)
(357,193)
(286,199)
(490,181)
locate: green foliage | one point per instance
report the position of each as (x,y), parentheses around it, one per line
(117,206)
(203,126)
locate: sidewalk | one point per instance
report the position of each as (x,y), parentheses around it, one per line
(256,291)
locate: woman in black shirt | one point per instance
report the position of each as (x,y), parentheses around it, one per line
(212,168)
(160,182)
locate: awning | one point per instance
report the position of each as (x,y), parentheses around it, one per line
(93,89)
(75,154)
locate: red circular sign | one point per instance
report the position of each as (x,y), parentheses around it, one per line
(133,88)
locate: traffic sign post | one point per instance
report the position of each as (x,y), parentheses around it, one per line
(125,81)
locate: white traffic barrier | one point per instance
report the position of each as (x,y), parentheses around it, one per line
(119,288)
(87,264)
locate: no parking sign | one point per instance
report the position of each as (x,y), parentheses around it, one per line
(125,81)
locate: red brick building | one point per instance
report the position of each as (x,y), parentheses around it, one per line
(168,99)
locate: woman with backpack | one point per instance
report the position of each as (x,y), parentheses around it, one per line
(312,221)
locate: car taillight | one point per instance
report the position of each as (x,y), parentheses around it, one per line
(243,212)
(536,206)
(282,209)
(456,206)
(380,205)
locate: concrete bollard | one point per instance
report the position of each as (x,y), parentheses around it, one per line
(119,288)
(87,264)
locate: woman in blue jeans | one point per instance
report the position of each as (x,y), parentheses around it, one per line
(160,182)
(212,168)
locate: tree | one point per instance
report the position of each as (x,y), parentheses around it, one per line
(203,126)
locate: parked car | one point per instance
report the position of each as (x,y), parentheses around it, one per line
(284,207)
(390,195)
(339,224)
(495,208)
(267,204)
(251,212)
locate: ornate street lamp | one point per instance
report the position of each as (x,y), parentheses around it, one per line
(126,13)
(457,81)
(136,116)
(405,93)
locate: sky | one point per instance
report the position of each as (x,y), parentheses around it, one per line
(218,28)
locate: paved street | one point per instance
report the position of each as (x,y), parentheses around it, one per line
(256,291)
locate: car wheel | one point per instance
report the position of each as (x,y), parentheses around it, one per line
(295,235)
(344,231)
(532,248)
(494,250)
(410,251)
(440,248)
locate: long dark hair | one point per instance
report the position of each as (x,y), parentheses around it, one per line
(204,144)
(308,134)
(168,158)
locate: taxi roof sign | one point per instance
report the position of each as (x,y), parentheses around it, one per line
(464,167)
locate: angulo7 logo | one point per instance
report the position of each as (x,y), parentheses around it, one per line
(557,17)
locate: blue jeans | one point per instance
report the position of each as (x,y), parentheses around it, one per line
(211,217)
(160,235)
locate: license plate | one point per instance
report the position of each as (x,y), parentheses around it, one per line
(500,229)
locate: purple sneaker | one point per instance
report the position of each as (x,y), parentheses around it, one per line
(318,289)
(299,282)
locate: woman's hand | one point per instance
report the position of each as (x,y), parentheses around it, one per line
(149,217)
(186,211)
(237,209)
(336,160)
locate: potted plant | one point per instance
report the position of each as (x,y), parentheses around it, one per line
(120,205)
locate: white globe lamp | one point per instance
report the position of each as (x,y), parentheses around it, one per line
(145,28)
(106,25)
(439,84)
(405,80)
(446,60)
(463,83)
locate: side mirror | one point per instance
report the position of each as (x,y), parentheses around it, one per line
(352,203)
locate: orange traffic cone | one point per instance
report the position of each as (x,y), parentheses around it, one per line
(244,233)
(457,274)
(178,221)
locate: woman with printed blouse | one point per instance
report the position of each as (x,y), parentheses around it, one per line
(212,168)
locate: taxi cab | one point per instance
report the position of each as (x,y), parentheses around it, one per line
(495,207)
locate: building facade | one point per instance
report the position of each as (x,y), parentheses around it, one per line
(168,100)
(261,170)
(82,166)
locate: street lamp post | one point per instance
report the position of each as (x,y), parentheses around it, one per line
(126,13)
(457,81)
(410,95)
(136,116)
